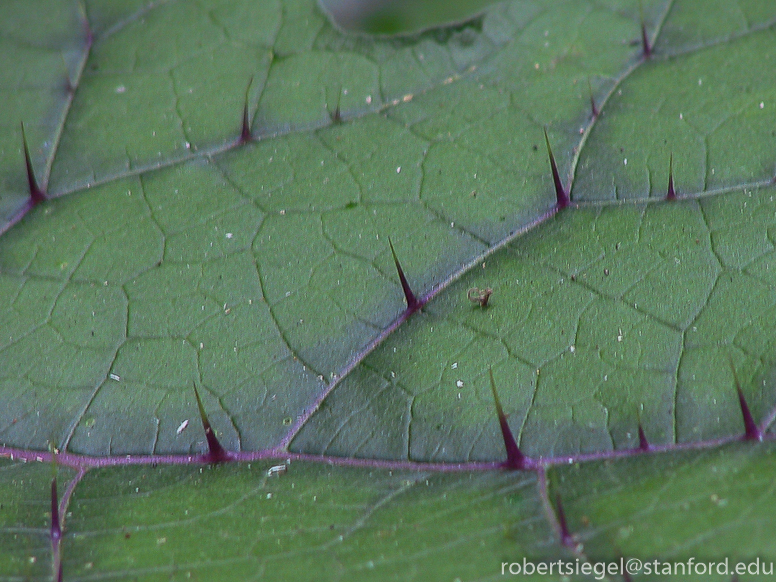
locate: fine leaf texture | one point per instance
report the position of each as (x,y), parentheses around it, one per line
(225,183)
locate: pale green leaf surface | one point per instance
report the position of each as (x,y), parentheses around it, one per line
(711,506)
(345,522)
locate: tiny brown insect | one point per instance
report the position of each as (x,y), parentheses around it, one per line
(481,296)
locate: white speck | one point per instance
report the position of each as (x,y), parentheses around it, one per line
(454,366)
(619,335)
(229,235)
(276,470)
(681,116)
(269,495)
(368,99)
(452,225)
(187,144)
(459,383)
(182,427)
(282,213)
(700,82)
(572,348)
(121,89)
(288,293)
(115,377)
(762,104)
(398,170)
(625,161)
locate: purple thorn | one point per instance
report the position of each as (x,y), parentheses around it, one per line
(593,108)
(515,458)
(36,193)
(336,117)
(646,47)
(671,194)
(245,132)
(643,442)
(561,196)
(565,535)
(412,302)
(216,453)
(56,527)
(751,431)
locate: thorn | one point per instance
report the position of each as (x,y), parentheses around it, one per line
(560,194)
(336,117)
(56,528)
(515,459)
(59,573)
(216,453)
(565,535)
(36,194)
(645,46)
(751,431)
(245,132)
(593,108)
(643,442)
(412,302)
(671,194)
(645,42)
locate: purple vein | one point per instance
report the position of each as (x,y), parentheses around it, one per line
(377,340)
(540,464)
(383,335)
(72,86)
(617,83)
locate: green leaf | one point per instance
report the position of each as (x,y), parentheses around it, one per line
(628,336)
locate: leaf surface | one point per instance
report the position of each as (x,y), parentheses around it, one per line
(179,248)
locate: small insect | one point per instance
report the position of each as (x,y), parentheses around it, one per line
(481,296)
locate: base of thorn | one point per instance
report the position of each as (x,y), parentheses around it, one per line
(37,195)
(245,131)
(216,453)
(516,460)
(671,193)
(561,196)
(643,442)
(645,46)
(412,301)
